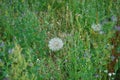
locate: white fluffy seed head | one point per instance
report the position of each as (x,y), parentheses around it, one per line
(55,44)
(110,74)
(96,27)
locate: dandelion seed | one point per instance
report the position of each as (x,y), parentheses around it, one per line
(96,27)
(55,44)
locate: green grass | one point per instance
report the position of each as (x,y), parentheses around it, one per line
(26,26)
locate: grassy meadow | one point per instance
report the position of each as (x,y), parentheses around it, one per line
(27,26)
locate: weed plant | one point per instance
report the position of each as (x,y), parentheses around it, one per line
(26,27)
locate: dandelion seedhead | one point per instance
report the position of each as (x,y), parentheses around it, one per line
(110,74)
(55,44)
(96,27)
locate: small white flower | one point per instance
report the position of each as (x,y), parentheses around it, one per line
(38,59)
(96,27)
(110,74)
(55,44)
